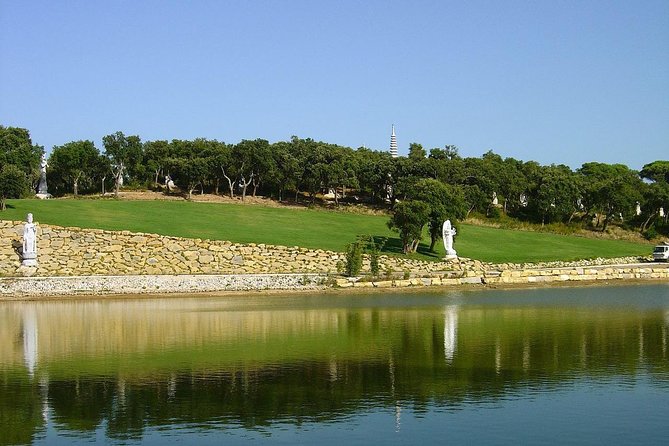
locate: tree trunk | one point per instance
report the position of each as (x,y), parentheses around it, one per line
(646,223)
(256,183)
(118,174)
(231,185)
(245,184)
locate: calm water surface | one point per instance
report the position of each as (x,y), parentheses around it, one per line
(547,366)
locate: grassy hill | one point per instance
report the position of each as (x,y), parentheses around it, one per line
(311,228)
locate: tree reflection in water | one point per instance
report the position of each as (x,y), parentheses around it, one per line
(131,364)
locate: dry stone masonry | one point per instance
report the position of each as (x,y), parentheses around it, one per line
(92,261)
(65,251)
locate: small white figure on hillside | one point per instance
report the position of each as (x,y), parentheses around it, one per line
(169,183)
(447,233)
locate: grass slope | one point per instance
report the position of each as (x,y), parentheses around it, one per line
(311,228)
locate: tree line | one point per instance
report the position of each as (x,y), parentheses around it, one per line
(423,188)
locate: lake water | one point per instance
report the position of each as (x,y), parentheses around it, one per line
(543,366)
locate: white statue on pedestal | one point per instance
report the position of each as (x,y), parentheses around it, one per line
(29,242)
(447,233)
(42,191)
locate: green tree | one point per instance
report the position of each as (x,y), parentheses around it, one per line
(13,184)
(445,202)
(610,189)
(17,148)
(190,164)
(656,171)
(155,155)
(416,151)
(287,168)
(252,161)
(74,163)
(557,194)
(376,172)
(124,153)
(408,219)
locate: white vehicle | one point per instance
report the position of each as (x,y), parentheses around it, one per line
(661,252)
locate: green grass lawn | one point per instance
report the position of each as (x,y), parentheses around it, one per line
(310,228)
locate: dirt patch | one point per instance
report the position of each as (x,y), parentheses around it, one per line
(203,198)
(253,201)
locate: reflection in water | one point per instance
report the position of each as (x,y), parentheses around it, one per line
(124,366)
(29,339)
(450,331)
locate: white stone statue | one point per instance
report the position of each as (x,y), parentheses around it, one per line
(43,164)
(29,242)
(447,233)
(169,183)
(495,201)
(42,191)
(638,208)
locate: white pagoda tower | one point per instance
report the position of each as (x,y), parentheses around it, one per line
(393,143)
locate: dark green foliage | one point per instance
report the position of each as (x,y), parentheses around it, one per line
(650,233)
(73,165)
(16,148)
(353,264)
(124,154)
(373,246)
(445,202)
(409,219)
(13,184)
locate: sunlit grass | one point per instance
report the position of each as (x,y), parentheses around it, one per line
(310,228)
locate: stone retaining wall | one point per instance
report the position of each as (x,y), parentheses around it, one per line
(643,271)
(29,287)
(90,261)
(33,287)
(83,252)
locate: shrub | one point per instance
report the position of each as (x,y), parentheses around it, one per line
(650,233)
(353,263)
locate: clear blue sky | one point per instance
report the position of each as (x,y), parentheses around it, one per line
(552,81)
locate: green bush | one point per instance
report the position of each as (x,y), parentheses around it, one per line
(353,264)
(650,233)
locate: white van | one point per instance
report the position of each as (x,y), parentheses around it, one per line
(661,252)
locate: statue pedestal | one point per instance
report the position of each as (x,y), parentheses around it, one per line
(29,259)
(43,196)
(451,254)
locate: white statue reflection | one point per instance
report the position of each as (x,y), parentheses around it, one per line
(450,332)
(29,318)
